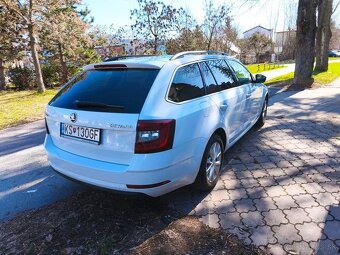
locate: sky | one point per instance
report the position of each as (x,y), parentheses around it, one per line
(266,13)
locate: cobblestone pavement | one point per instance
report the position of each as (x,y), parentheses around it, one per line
(280,188)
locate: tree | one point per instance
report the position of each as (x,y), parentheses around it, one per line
(259,43)
(305,43)
(154,19)
(226,36)
(186,41)
(323,34)
(213,17)
(10,41)
(65,35)
(31,14)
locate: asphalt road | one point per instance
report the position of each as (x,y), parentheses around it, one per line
(26,179)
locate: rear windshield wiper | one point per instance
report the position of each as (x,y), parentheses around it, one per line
(86,104)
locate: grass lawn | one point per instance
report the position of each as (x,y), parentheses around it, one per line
(256,68)
(18,107)
(319,78)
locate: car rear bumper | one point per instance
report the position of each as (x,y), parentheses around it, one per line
(152,182)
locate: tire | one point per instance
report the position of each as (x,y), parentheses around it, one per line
(262,119)
(206,179)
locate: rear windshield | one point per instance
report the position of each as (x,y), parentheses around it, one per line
(113,90)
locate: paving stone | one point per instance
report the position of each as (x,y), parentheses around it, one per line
(286,234)
(252,219)
(300,179)
(331,186)
(298,162)
(326,247)
(318,214)
(324,169)
(312,188)
(335,212)
(325,199)
(219,195)
(257,192)
(220,185)
(249,182)
(274,217)
(232,183)
(243,174)
(261,159)
(227,175)
(263,235)
(276,249)
(230,220)
(276,172)
(267,181)
(211,220)
(204,208)
(237,193)
(285,202)
(253,166)
(259,173)
(301,248)
(337,242)
(238,167)
(309,231)
(264,204)
(275,191)
(332,229)
(224,206)
(305,200)
(294,189)
(319,178)
(283,164)
(268,165)
(284,180)
(244,205)
(296,215)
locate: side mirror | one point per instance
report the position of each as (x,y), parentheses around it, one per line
(259,78)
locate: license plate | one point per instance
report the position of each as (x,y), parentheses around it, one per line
(91,135)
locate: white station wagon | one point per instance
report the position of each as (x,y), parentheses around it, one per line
(153,124)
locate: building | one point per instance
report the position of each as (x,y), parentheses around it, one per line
(282,39)
(259,29)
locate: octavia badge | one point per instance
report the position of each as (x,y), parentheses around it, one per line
(73,117)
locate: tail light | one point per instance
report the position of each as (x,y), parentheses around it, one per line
(46,127)
(154,135)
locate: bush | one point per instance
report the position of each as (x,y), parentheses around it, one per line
(22,77)
(50,74)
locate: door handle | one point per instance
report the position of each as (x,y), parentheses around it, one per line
(248,95)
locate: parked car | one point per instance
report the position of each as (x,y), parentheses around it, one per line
(333,53)
(153,124)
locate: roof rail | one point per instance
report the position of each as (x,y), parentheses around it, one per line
(197,52)
(126,56)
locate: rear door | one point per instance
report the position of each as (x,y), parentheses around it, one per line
(224,93)
(106,102)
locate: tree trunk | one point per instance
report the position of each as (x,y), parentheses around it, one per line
(64,72)
(38,74)
(2,75)
(305,43)
(155,45)
(323,35)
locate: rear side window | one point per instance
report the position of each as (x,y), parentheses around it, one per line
(222,74)
(110,90)
(241,72)
(209,79)
(187,84)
